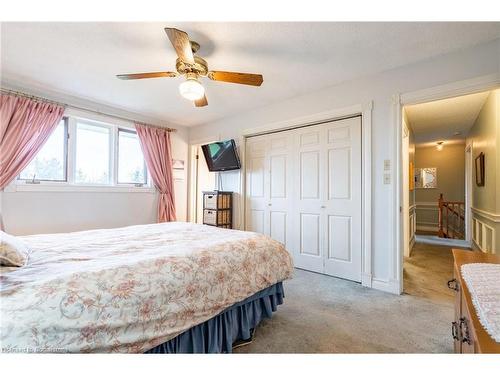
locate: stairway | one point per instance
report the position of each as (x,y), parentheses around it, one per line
(451,217)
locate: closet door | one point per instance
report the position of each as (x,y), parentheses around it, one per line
(342,231)
(269,186)
(308,218)
(280,189)
(303,188)
(256,197)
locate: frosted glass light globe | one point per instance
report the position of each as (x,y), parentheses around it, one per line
(191,89)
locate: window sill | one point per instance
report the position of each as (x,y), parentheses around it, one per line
(55,187)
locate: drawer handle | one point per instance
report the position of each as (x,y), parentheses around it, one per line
(452,284)
(454,331)
(464,332)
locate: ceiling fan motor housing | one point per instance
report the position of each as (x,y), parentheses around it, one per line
(200,66)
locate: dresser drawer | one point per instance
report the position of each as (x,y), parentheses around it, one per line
(210,201)
(466,327)
(472,336)
(210,217)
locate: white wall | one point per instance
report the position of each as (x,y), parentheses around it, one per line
(465,64)
(36,212)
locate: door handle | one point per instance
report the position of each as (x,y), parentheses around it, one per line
(464,331)
(454,331)
(269,204)
(323,206)
(452,284)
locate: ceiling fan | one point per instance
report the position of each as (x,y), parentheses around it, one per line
(193,67)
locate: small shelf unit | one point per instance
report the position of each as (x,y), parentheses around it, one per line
(218,208)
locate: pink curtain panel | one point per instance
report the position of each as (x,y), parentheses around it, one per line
(25,126)
(156,147)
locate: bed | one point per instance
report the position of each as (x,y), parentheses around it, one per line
(169,287)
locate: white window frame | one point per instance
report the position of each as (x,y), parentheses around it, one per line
(70,184)
(117,152)
(111,149)
(65,161)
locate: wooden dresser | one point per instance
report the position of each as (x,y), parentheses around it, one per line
(468,334)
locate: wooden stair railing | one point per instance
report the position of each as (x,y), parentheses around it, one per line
(451,217)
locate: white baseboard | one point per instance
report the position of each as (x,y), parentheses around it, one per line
(366,280)
(475,246)
(434,240)
(389,286)
(412,242)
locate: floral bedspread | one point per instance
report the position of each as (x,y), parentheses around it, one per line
(130,289)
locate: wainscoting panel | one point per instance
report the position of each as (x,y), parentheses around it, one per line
(426,216)
(486,230)
(412,224)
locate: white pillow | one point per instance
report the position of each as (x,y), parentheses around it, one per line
(13,251)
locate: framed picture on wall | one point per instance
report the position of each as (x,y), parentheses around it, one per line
(412,176)
(425,178)
(480,169)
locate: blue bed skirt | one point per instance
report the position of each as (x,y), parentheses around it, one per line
(218,334)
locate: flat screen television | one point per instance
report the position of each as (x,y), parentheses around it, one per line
(221,156)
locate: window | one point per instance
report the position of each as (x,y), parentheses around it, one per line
(92,154)
(88,155)
(131,165)
(50,162)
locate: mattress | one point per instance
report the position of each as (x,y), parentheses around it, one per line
(130,289)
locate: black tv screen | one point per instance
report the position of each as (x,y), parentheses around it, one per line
(221,156)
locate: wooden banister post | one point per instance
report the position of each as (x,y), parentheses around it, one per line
(440,216)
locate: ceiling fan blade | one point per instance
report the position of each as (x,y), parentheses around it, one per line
(242,78)
(147,75)
(201,102)
(181,43)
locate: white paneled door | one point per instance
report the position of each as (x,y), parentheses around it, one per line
(269,193)
(304,190)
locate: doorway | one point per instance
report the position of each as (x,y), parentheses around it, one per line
(441,131)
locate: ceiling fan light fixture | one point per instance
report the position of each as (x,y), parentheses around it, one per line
(191,66)
(192,89)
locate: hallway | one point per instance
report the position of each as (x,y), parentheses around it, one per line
(427,271)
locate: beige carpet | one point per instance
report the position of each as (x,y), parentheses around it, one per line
(323,314)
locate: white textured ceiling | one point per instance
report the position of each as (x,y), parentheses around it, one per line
(81,59)
(441,119)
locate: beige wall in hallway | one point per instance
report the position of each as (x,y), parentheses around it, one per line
(411,153)
(450,164)
(408,144)
(485,137)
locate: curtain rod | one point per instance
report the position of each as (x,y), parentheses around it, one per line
(41,99)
